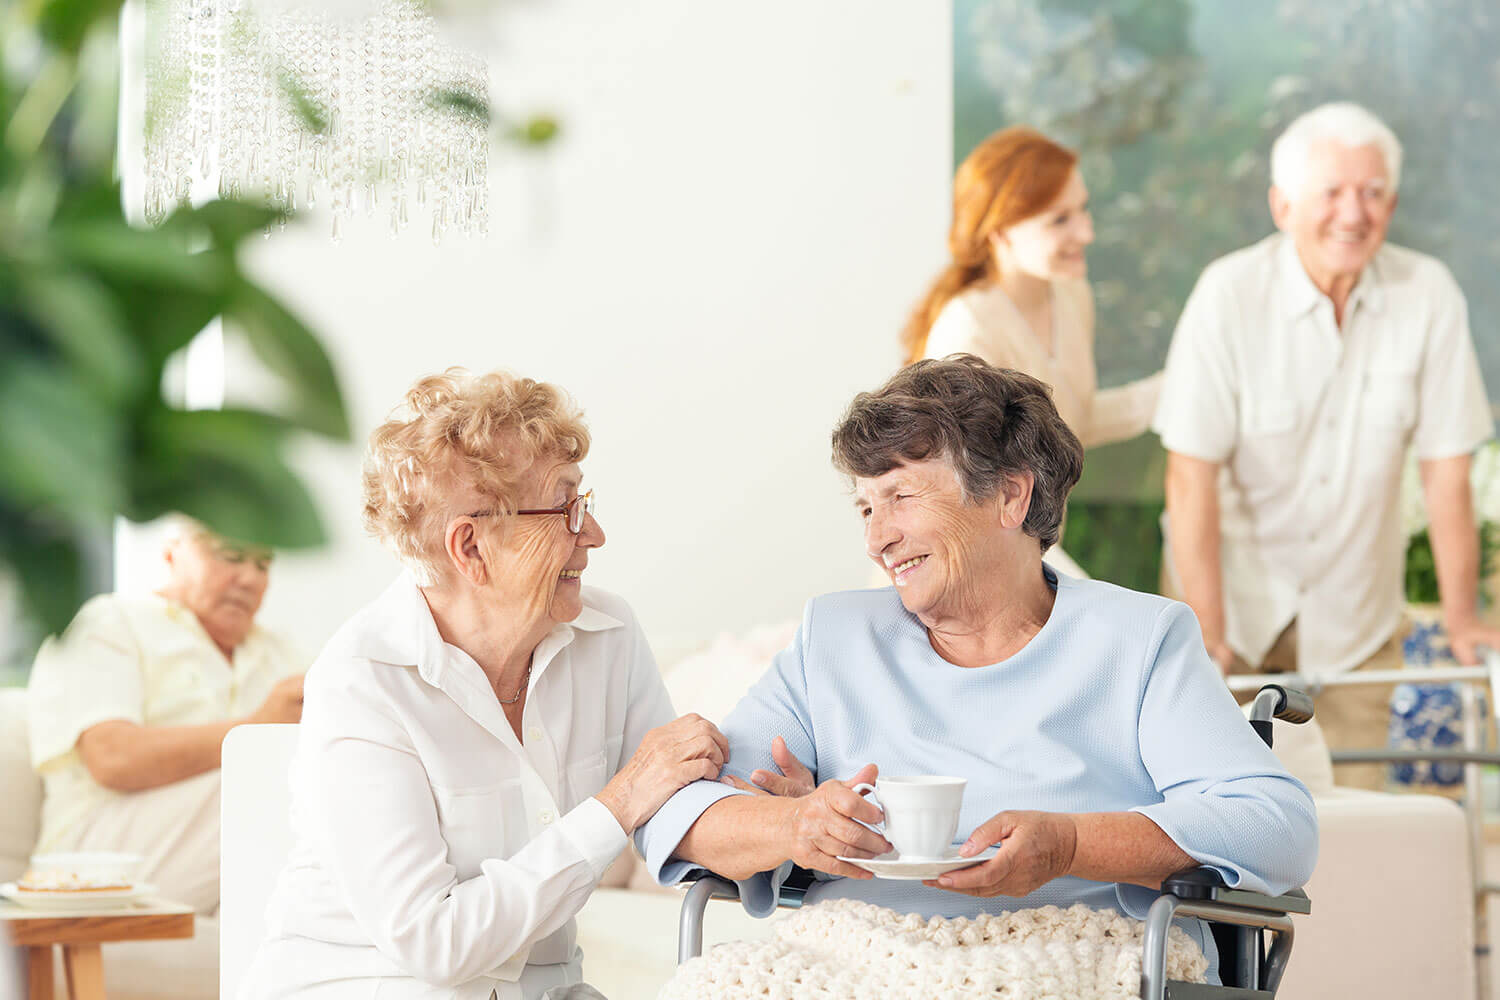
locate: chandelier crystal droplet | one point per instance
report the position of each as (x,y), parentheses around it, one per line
(297,108)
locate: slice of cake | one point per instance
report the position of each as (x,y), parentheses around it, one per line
(63,880)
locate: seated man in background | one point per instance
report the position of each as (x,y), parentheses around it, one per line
(1302,369)
(129,708)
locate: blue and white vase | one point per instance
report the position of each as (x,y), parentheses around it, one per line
(1426,716)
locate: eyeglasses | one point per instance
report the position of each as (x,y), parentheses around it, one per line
(573,510)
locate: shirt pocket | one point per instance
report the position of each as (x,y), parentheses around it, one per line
(1274,415)
(1390,399)
(586,776)
(474,822)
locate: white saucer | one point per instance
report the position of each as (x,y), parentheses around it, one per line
(63,901)
(917,869)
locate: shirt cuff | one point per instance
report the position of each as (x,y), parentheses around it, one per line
(659,836)
(593,830)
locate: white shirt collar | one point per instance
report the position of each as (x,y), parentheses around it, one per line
(404,632)
(1303,296)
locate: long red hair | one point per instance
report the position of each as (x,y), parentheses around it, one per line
(1009,177)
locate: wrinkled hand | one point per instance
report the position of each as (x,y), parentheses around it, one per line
(821,825)
(283,704)
(1465,638)
(793,781)
(671,756)
(1035,848)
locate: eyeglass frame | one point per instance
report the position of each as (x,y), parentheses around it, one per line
(566,510)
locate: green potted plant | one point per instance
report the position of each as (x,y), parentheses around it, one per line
(92,308)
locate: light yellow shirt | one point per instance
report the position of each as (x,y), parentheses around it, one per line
(1311,425)
(983,321)
(143,659)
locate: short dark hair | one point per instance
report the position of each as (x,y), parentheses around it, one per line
(989,423)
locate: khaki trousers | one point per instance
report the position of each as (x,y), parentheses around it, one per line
(1353,717)
(175,829)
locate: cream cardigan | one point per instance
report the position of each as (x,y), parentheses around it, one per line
(984,321)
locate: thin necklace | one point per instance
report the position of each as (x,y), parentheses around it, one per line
(519,691)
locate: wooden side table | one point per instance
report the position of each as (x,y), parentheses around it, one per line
(80,934)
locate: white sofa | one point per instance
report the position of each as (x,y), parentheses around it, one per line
(134,970)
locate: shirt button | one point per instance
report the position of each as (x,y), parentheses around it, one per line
(545,816)
(533,734)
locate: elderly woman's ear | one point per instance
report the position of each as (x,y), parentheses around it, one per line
(1014,499)
(461,545)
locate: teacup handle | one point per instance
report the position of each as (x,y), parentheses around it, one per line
(868,790)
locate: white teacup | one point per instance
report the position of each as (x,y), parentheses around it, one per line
(921,813)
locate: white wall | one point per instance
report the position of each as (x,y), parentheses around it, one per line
(718,253)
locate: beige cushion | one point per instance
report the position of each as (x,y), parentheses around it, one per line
(1392,915)
(20,787)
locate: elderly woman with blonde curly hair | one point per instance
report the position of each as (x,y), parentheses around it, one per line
(478,743)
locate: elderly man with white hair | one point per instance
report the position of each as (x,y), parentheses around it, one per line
(129,709)
(1302,369)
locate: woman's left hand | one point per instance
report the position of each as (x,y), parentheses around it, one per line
(1035,848)
(794,781)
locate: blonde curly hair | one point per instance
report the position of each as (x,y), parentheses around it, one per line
(457,438)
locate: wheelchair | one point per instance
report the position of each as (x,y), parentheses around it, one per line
(1252,931)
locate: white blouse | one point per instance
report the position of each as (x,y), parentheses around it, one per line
(435,855)
(983,321)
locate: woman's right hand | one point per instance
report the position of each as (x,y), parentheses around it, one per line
(671,756)
(821,826)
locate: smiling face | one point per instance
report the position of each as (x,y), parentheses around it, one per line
(935,548)
(538,562)
(221,583)
(1051,243)
(1339,216)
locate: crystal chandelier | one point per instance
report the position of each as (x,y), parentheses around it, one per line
(297,107)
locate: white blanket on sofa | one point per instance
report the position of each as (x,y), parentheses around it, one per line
(844,948)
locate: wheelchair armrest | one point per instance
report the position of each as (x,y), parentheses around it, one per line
(703,885)
(1207,884)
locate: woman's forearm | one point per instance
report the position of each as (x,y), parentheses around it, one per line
(739,836)
(1125,847)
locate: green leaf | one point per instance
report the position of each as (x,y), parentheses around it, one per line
(60,447)
(65,23)
(85,324)
(224,468)
(461,103)
(227,222)
(305,106)
(49,567)
(150,256)
(291,350)
(538,130)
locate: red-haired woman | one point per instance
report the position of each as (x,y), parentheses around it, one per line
(1016,291)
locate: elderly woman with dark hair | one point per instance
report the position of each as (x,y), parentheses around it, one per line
(1102,750)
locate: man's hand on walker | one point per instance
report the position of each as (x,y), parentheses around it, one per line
(1466,636)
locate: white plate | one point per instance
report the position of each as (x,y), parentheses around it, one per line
(104,899)
(892,866)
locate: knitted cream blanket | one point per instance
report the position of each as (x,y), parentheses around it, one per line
(843,949)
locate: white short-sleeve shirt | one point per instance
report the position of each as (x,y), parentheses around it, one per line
(146,660)
(1311,425)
